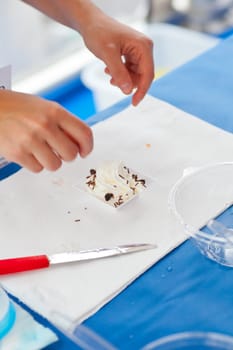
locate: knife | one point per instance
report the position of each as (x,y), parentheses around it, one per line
(26,263)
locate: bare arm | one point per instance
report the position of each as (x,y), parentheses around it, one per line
(72,13)
(39,134)
(127,53)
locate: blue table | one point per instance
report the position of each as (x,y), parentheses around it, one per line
(184,291)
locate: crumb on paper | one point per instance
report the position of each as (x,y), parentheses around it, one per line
(58,181)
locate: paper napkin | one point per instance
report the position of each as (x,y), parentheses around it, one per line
(48,213)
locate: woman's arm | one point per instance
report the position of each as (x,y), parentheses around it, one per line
(127,53)
(71,13)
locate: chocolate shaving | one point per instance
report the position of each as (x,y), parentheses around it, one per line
(119,201)
(143,182)
(108,196)
(91,184)
(127,169)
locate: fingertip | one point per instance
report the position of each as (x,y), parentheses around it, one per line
(120,76)
(112,82)
(54,166)
(134,104)
(85,154)
(136,99)
(126,88)
(106,70)
(36,169)
(87,146)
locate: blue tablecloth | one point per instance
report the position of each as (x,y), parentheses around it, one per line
(184,291)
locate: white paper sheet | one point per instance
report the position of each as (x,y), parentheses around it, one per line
(39,212)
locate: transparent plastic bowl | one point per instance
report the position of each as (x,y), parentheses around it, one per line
(192,341)
(202,201)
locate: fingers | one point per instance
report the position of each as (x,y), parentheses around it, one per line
(79,136)
(59,140)
(144,76)
(119,72)
(27,160)
(59,137)
(34,155)
(141,90)
(45,156)
(139,65)
(141,82)
(37,133)
(63,140)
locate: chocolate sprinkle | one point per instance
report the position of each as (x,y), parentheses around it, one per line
(108,196)
(91,184)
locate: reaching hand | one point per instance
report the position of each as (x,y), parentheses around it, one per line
(37,133)
(127,53)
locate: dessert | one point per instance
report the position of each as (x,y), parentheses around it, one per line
(114,183)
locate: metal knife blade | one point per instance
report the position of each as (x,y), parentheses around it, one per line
(14,265)
(99,253)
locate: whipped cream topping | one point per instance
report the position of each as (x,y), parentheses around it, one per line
(114,183)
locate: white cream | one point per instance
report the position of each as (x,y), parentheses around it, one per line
(114,183)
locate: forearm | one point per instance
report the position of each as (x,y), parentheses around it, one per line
(109,40)
(76,14)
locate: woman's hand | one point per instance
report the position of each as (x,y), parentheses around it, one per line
(127,53)
(38,134)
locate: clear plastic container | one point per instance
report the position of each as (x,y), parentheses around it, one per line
(202,201)
(192,341)
(7,314)
(87,339)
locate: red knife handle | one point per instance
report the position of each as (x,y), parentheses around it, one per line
(14,265)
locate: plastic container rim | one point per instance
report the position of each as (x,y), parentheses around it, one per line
(191,230)
(169,339)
